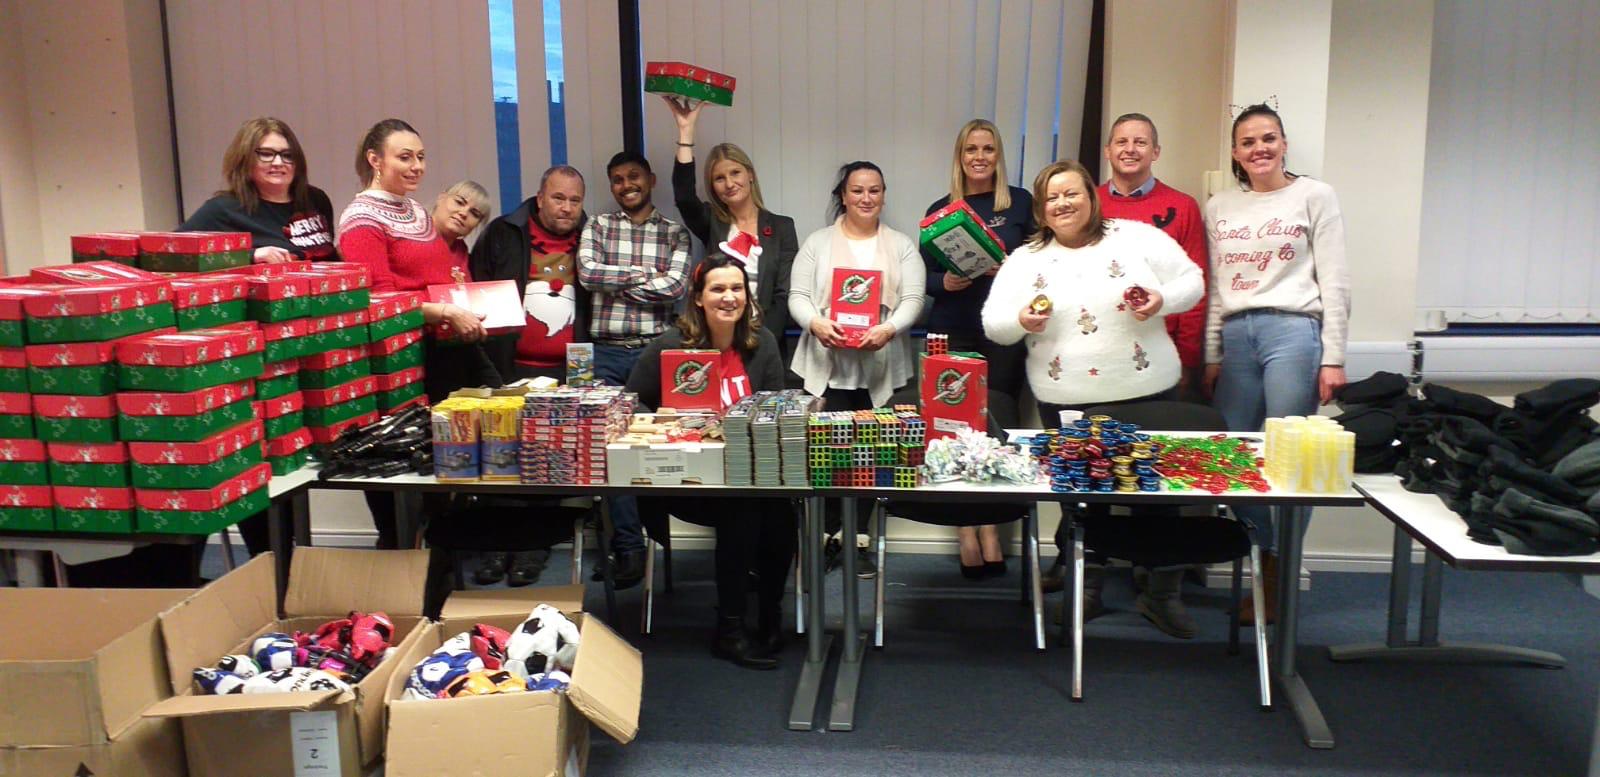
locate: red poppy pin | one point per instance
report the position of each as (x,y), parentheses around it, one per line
(766,231)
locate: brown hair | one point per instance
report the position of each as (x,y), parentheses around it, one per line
(1041,183)
(1259,109)
(692,322)
(731,153)
(240,160)
(373,141)
(958,176)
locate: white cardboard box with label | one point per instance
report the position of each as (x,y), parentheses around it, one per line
(665,464)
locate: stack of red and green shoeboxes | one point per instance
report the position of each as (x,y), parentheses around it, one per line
(26,501)
(193,251)
(195,387)
(119,247)
(330,411)
(334,372)
(211,300)
(395,356)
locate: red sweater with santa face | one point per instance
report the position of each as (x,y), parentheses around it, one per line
(550,299)
(1178,215)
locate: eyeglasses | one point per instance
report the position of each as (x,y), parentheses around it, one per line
(267,155)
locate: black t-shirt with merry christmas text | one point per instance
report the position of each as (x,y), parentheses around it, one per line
(308,234)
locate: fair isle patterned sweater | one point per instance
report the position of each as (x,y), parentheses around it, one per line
(1092,349)
(394,237)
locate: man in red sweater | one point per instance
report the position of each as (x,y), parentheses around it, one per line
(1134,193)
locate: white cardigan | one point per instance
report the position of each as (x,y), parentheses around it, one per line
(1092,350)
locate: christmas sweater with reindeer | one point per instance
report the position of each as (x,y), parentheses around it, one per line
(1092,349)
(1282,250)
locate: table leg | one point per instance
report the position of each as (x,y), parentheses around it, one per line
(848,680)
(300,504)
(1257,604)
(803,710)
(407,518)
(1427,647)
(30,568)
(1035,584)
(280,523)
(1077,611)
(1312,724)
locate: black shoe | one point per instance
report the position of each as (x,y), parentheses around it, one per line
(866,564)
(731,643)
(1054,579)
(629,570)
(492,570)
(830,554)
(526,568)
(994,568)
(975,572)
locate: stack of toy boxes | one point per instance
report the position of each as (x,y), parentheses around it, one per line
(565,432)
(881,448)
(194,251)
(193,387)
(75,317)
(394,324)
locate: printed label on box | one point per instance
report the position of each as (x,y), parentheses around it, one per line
(316,742)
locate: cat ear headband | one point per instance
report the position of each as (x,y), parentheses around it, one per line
(1270,102)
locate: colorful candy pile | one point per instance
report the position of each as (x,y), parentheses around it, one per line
(1217,464)
(1103,455)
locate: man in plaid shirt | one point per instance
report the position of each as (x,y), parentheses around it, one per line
(635,265)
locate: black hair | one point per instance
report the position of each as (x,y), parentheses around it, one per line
(373,141)
(836,205)
(1259,109)
(624,157)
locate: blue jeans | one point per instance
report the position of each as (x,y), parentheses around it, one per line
(612,364)
(1270,361)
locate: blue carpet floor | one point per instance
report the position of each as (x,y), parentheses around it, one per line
(960,691)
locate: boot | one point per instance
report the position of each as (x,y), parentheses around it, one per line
(1268,585)
(732,644)
(1161,604)
(768,640)
(1094,581)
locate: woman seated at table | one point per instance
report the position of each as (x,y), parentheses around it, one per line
(753,535)
(1088,295)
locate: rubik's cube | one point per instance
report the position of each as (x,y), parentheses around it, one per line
(906,477)
(885,453)
(884,477)
(911,454)
(865,448)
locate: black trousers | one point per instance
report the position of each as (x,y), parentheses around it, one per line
(753,535)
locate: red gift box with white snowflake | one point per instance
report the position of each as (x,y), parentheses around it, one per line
(192,500)
(954,389)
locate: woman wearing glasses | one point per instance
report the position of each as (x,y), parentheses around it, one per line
(266,194)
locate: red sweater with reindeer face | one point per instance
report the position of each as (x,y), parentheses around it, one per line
(550,300)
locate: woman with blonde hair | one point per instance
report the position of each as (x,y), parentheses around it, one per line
(265,193)
(978,178)
(735,220)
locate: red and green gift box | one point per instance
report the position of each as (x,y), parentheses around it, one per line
(202,464)
(397,390)
(278,378)
(22,463)
(289,452)
(88,369)
(323,435)
(341,330)
(335,287)
(688,81)
(62,418)
(27,508)
(93,509)
(282,415)
(204,301)
(326,370)
(16,415)
(205,510)
(285,340)
(119,247)
(961,241)
(13,332)
(87,314)
(93,273)
(194,251)
(13,370)
(188,361)
(329,406)
(393,312)
(277,297)
(89,464)
(189,416)
(393,354)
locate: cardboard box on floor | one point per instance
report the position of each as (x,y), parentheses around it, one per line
(77,667)
(516,734)
(288,734)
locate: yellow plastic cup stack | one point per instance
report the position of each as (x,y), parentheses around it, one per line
(1310,455)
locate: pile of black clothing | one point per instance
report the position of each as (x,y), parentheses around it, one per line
(1526,477)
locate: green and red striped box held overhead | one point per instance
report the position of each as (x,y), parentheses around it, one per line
(119,247)
(689,81)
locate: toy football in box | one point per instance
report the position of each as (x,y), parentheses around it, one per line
(393,312)
(955,394)
(119,247)
(691,379)
(22,463)
(690,82)
(27,508)
(189,361)
(203,464)
(86,314)
(93,509)
(194,251)
(855,302)
(89,464)
(202,301)
(959,239)
(497,301)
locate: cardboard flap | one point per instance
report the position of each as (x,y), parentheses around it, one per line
(184,706)
(213,621)
(327,581)
(491,602)
(607,680)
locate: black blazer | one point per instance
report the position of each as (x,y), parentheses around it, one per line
(778,246)
(764,365)
(503,253)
